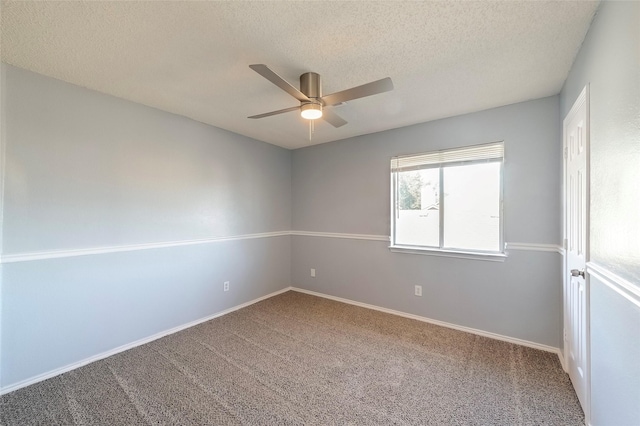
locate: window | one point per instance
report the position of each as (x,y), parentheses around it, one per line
(449,202)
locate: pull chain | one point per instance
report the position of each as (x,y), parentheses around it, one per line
(311,129)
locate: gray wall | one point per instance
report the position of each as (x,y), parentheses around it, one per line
(344,187)
(615,351)
(609,61)
(85,170)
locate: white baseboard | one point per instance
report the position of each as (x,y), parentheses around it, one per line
(78,364)
(440,323)
(562,363)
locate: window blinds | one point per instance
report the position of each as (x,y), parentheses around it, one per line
(476,153)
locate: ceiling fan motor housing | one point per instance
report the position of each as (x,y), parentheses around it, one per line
(310,96)
(310,85)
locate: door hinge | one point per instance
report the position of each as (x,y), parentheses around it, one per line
(565,152)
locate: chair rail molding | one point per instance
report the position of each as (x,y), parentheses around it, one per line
(341,235)
(56,254)
(623,287)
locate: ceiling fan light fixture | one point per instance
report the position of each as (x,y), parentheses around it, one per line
(310,96)
(311,111)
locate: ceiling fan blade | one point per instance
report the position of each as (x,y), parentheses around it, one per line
(373,88)
(280,111)
(264,71)
(332,118)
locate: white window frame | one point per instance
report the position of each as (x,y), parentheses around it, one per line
(475,154)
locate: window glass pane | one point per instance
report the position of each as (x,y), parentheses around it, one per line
(472,206)
(417,215)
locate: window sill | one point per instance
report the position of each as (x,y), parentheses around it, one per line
(491,257)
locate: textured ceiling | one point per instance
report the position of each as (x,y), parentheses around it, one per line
(191,58)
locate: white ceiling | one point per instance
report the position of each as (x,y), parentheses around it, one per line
(191,58)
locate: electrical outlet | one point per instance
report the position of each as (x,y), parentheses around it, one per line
(313,272)
(226,286)
(418,290)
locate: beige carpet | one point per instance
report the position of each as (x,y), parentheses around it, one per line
(303,360)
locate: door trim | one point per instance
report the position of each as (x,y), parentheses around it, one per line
(582,99)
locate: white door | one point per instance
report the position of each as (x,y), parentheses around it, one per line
(576,139)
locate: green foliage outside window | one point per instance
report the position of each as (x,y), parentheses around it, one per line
(409,189)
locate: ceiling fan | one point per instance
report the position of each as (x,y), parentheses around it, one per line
(312,104)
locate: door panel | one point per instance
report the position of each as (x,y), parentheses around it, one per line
(576,297)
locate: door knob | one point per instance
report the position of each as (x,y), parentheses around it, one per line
(577,273)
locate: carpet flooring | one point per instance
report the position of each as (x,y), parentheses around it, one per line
(296,359)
